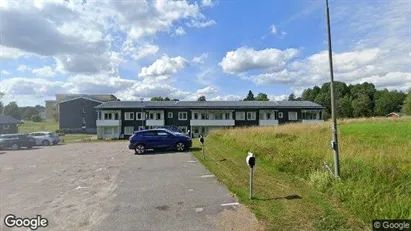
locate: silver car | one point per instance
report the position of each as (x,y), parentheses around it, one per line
(45,138)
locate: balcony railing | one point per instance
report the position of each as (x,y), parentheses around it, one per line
(108,122)
(212,122)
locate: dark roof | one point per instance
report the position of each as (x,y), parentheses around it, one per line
(4,119)
(208,104)
(81,97)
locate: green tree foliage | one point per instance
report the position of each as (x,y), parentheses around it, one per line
(36,118)
(250,96)
(1,103)
(291,97)
(355,100)
(201,98)
(262,97)
(12,110)
(159,98)
(28,112)
(406,107)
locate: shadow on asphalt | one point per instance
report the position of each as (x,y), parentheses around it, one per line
(160,152)
(1,153)
(289,197)
(27,149)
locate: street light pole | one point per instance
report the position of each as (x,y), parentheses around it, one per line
(143,116)
(334,119)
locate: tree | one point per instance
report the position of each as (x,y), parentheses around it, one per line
(201,98)
(1,103)
(12,110)
(159,98)
(29,112)
(344,107)
(262,97)
(362,106)
(250,96)
(406,107)
(175,100)
(36,118)
(291,97)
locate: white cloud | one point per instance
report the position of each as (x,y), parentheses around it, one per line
(10,53)
(278,97)
(200,59)
(23,68)
(4,72)
(137,52)
(273,29)
(45,71)
(245,59)
(207,91)
(207,3)
(230,97)
(201,24)
(180,31)
(162,68)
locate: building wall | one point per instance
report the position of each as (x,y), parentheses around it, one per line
(12,129)
(246,122)
(71,114)
(175,121)
(135,123)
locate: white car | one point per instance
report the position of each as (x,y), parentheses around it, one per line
(45,138)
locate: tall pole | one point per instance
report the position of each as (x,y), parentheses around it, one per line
(334,119)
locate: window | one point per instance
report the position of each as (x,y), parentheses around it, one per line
(158,116)
(140,116)
(6,126)
(151,115)
(227,115)
(218,116)
(182,115)
(129,116)
(162,134)
(170,115)
(196,130)
(141,128)
(310,115)
(108,116)
(150,133)
(268,115)
(116,116)
(204,116)
(240,115)
(251,115)
(280,115)
(128,130)
(183,129)
(84,121)
(292,115)
(99,115)
(196,115)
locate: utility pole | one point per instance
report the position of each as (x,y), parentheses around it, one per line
(143,115)
(334,143)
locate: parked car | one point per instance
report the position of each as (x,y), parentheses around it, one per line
(159,139)
(16,141)
(45,138)
(172,128)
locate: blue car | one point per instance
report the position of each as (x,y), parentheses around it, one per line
(159,139)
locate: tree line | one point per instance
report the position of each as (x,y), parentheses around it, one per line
(21,113)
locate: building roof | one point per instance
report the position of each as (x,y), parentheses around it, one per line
(81,97)
(99,97)
(208,104)
(4,119)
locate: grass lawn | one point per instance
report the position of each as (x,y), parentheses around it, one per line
(46,125)
(375,173)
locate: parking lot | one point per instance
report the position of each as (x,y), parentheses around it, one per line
(103,186)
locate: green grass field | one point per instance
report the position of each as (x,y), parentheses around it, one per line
(375,173)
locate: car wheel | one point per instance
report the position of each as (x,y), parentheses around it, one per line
(180,146)
(45,143)
(15,147)
(140,149)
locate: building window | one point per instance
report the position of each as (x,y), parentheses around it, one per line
(195,115)
(218,116)
(128,130)
(129,116)
(292,115)
(6,126)
(204,116)
(196,130)
(240,115)
(99,115)
(310,115)
(227,115)
(84,121)
(141,128)
(170,115)
(251,115)
(280,115)
(116,116)
(151,115)
(158,116)
(182,115)
(183,129)
(108,116)
(268,115)
(139,115)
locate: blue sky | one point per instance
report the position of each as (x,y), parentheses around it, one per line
(184,49)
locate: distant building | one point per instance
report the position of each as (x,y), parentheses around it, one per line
(8,125)
(121,119)
(78,114)
(393,115)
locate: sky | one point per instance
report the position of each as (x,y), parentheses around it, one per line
(185,49)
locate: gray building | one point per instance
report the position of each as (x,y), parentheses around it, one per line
(8,125)
(121,119)
(78,114)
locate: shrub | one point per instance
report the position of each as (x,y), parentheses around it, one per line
(36,118)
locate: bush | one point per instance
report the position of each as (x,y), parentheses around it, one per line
(36,118)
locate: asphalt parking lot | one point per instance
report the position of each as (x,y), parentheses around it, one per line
(103,186)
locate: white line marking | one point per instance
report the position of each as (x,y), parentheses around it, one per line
(192,161)
(230,204)
(191,190)
(204,176)
(199,210)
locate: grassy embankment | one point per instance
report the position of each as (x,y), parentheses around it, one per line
(375,172)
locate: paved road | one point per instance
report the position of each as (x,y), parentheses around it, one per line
(105,187)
